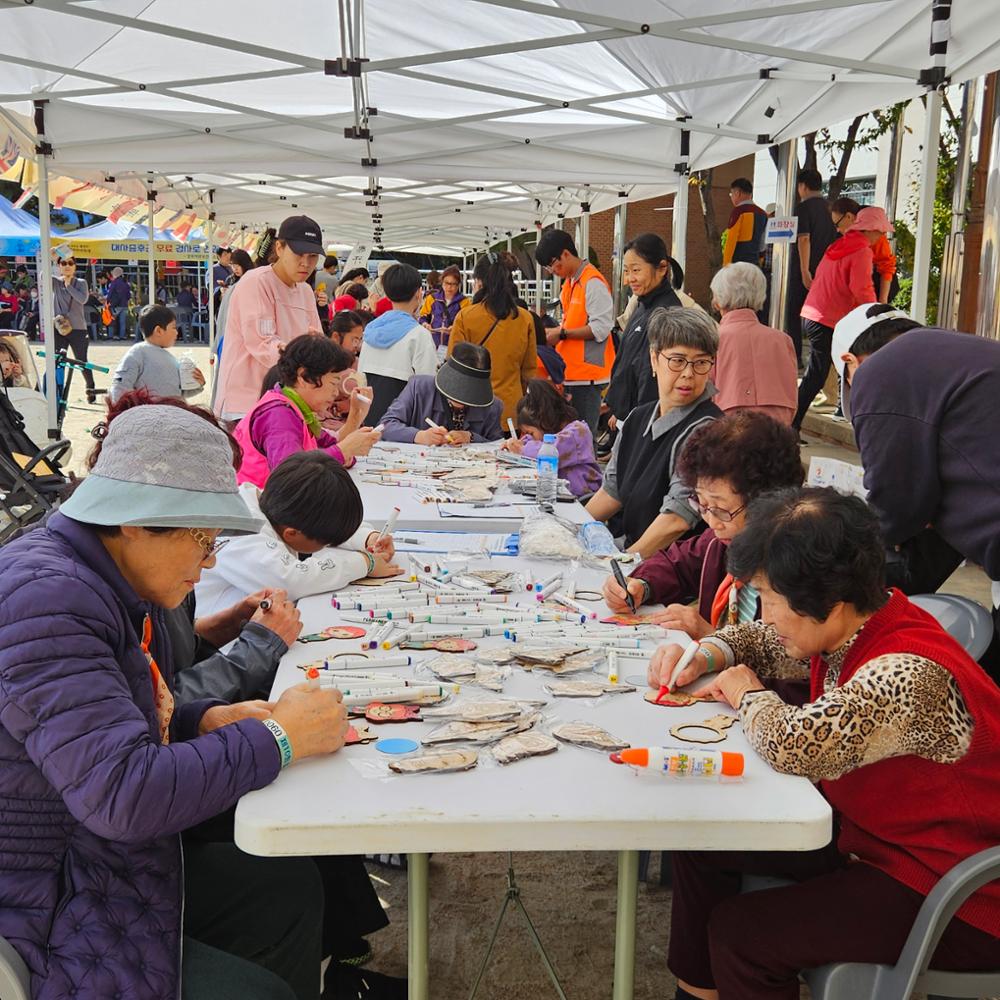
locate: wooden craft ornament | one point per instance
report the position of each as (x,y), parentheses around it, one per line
(359,735)
(443,645)
(441,761)
(334,632)
(711,730)
(677,699)
(627,619)
(379,713)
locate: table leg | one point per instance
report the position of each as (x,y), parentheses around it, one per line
(628,891)
(417,909)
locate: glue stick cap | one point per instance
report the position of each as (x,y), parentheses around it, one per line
(732,764)
(636,756)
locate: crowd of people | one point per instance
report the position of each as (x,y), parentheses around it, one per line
(127,737)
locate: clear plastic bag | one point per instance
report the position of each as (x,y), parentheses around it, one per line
(545,536)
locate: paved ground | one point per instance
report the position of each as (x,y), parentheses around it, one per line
(570,896)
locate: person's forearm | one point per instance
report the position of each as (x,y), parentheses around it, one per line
(804,245)
(222,627)
(664,531)
(580,333)
(601,506)
(883,288)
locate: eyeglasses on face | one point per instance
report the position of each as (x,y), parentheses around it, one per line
(67,263)
(715,512)
(209,546)
(678,363)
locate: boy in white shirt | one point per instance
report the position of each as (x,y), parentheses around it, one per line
(310,507)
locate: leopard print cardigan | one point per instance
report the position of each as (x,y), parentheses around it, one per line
(893,705)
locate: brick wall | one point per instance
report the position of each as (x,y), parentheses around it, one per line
(644,217)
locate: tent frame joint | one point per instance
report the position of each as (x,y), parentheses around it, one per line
(44,148)
(342,66)
(933,78)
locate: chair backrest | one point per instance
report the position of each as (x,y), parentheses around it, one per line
(967,622)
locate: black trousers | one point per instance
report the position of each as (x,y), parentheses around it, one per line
(752,946)
(78,343)
(821,341)
(252,926)
(793,310)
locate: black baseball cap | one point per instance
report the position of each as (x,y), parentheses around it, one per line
(302,234)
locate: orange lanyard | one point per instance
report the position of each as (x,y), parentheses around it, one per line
(726,602)
(163,700)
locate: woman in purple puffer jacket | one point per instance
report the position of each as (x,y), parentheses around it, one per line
(99,774)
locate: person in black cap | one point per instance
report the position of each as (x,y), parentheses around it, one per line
(455,406)
(271,306)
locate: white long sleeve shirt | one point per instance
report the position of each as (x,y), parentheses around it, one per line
(251,562)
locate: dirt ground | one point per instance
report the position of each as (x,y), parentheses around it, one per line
(570,896)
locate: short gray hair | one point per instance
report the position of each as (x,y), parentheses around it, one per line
(679,327)
(739,286)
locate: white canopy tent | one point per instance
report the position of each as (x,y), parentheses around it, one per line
(453,122)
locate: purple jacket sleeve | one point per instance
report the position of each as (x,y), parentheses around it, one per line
(674,574)
(400,420)
(491,425)
(64,696)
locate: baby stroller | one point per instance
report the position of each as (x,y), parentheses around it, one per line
(31,479)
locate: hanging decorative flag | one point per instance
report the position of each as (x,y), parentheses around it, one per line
(125,206)
(9,152)
(26,195)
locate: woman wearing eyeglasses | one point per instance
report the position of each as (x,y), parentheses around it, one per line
(727,463)
(641,482)
(70,294)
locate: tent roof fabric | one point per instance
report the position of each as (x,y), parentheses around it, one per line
(488,115)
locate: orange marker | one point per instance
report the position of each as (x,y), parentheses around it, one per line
(683,761)
(312,677)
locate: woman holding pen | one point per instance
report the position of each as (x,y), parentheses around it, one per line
(900,733)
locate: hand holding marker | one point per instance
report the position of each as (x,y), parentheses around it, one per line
(438,427)
(620,580)
(686,657)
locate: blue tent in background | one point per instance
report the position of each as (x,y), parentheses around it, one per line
(19,232)
(108,230)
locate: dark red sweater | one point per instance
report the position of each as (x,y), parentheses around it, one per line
(910,817)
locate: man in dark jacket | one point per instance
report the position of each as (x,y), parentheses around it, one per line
(920,404)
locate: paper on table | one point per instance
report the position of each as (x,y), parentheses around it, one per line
(845,477)
(453,541)
(486,512)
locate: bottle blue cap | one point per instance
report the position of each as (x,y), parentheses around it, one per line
(549,438)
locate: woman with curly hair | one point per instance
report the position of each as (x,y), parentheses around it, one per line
(727,463)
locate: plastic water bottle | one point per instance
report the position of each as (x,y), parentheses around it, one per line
(187,365)
(547,465)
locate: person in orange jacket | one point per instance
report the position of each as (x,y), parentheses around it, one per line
(844,212)
(583,340)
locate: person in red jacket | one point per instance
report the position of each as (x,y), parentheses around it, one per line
(901,733)
(843,281)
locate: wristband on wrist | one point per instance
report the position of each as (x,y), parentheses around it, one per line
(371,563)
(647,590)
(709,655)
(281,738)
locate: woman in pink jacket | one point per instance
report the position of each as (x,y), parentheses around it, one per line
(755,368)
(843,281)
(269,307)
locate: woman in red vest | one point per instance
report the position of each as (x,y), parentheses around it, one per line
(902,735)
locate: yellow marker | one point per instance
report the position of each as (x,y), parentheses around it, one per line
(612,667)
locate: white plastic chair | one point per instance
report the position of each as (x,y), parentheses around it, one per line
(910,974)
(967,622)
(14,975)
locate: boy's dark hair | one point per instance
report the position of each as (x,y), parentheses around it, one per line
(313,493)
(543,407)
(552,244)
(317,355)
(345,321)
(743,184)
(880,334)
(811,179)
(843,206)
(357,274)
(495,271)
(401,282)
(816,547)
(357,291)
(472,355)
(330,260)
(653,251)
(749,450)
(150,317)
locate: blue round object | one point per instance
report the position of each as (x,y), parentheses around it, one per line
(397,746)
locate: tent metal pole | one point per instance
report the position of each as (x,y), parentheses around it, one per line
(988,311)
(151,263)
(618,257)
(678,235)
(934,79)
(45,291)
(925,206)
(210,234)
(788,172)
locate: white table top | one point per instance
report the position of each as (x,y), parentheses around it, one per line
(418,516)
(574,799)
